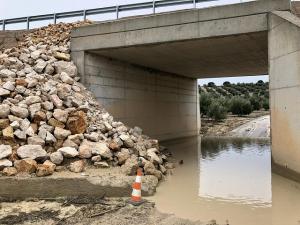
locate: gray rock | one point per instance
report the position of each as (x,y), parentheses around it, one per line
(4,111)
(123,155)
(50,138)
(61,115)
(68,67)
(68,152)
(60,133)
(40,66)
(49,69)
(34,108)
(96,158)
(66,78)
(69,143)
(5,73)
(47,105)
(85,149)
(31,151)
(5,163)
(151,153)
(24,124)
(19,111)
(131,165)
(100,148)
(31,82)
(92,136)
(4,92)
(9,86)
(20,134)
(150,169)
(57,157)
(5,151)
(30,131)
(56,101)
(77,166)
(32,99)
(127,141)
(36,140)
(35,54)
(101,164)
(15,125)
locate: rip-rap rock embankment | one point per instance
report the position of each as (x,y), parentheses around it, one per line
(50,122)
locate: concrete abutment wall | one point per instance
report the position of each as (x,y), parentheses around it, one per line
(284,63)
(164,105)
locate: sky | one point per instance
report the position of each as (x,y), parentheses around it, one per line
(21,8)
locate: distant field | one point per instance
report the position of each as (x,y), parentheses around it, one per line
(236,99)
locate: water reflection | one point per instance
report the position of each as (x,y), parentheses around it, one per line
(228,180)
(236,170)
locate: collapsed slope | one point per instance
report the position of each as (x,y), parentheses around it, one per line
(49,119)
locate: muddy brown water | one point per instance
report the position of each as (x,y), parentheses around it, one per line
(228,180)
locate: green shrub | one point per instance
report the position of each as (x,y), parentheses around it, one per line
(205,101)
(256,102)
(266,104)
(240,106)
(217,111)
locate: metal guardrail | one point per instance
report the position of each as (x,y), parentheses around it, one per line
(112,9)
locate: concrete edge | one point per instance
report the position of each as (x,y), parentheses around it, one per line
(20,188)
(288,16)
(181,17)
(285,172)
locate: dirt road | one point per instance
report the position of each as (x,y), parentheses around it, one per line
(258,128)
(210,127)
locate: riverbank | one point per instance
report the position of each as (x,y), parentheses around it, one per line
(210,127)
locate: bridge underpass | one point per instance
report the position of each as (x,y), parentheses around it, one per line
(144,70)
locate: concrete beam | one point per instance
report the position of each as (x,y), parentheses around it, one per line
(182,17)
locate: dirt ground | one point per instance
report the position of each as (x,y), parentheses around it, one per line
(211,128)
(112,211)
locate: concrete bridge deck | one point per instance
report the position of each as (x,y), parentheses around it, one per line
(144,69)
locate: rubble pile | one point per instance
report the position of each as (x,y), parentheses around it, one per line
(49,121)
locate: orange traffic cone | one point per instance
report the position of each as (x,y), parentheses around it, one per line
(136,196)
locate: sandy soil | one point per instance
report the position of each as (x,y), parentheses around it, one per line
(223,128)
(113,211)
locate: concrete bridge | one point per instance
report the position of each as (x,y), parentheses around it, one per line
(144,69)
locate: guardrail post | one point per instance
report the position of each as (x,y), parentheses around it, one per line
(3,25)
(153,6)
(117,11)
(84,15)
(54,18)
(28,21)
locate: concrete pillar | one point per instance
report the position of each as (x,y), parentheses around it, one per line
(79,60)
(284,70)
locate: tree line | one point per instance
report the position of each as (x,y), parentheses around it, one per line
(238,99)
